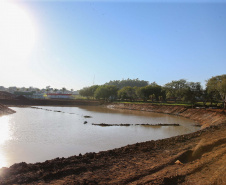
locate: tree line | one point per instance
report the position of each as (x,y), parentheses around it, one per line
(179,90)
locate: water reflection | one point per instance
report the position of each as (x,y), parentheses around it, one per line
(4,129)
(35,135)
(4,137)
(3,160)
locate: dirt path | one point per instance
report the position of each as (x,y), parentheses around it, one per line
(201,155)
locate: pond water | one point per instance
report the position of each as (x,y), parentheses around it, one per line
(35,135)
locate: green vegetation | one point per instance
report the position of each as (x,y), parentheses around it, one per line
(106,92)
(129,82)
(88,92)
(216,88)
(152,92)
(180,92)
(127,93)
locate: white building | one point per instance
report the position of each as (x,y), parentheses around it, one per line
(59,96)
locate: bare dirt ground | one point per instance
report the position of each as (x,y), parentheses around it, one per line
(196,158)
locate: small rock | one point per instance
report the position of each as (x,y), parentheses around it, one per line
(178,162)
(87,116)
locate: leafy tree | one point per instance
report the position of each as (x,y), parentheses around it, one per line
(217,86)
(204,97)
(93,89)
(145,92)
(127,93)
(192,92)
(88,92)
(152,91)
(157,91)
(162,97)
(176,89)
(129,82)
(85,92)
(212,96)
(106,92)
(139,93)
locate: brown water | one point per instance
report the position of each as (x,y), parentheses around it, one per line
(35,135)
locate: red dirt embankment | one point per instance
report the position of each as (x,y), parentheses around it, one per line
(196,159)
(205,117)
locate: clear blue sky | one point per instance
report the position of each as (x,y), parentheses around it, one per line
(116,40)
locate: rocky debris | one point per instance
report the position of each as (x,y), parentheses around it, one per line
(36,107)
(178,162)
(108,125)
(49,110)
(160,124)
(87,116)
(127,124)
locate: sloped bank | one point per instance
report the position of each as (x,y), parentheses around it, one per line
(4,110)
(205,117)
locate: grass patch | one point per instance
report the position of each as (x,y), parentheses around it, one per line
(197,104)
(154,103)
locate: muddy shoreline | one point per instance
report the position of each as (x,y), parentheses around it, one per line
(4,110)
(201,156)
(205,117)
